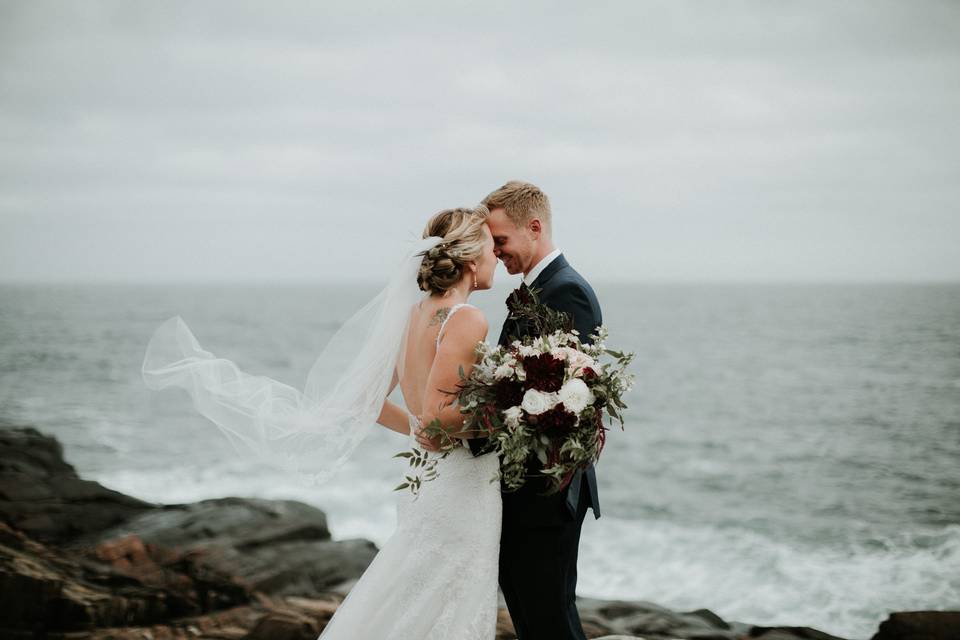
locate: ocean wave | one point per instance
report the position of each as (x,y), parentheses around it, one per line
(845,589)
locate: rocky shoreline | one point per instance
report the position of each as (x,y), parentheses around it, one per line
(80,561)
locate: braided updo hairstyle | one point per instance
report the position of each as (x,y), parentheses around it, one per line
(462,233)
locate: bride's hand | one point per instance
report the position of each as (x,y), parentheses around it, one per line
(430,444)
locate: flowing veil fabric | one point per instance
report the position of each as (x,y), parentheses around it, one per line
(313,431)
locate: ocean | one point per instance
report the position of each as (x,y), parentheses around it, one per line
(791,452)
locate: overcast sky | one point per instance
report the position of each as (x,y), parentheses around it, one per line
(677,141)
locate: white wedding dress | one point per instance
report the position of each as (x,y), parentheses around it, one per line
(436,577)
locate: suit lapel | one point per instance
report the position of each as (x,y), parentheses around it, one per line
(555,266)
(551,270)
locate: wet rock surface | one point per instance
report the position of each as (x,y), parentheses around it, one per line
(41,494)
(920,625)
(275,546)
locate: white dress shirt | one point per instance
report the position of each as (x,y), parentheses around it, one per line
(540,266)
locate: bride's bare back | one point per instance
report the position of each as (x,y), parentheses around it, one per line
(429,369)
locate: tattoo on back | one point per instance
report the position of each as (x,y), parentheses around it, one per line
(439,316)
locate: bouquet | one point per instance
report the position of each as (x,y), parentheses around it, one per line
(541,401)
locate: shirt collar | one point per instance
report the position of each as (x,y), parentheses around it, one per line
(540,266)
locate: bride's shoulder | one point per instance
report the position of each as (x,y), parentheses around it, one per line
(466,321)
(469,314)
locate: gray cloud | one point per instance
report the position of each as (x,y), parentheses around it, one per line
(728,140)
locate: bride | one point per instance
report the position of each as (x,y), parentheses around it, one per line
(436,577)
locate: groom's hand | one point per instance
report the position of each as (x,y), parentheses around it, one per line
(425,442)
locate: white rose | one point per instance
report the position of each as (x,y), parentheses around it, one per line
(512,417)
(536,402)
(503,371)
(575,395)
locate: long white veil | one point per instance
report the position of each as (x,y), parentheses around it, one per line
(312,432)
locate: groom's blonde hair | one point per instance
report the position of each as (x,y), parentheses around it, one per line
(522,202)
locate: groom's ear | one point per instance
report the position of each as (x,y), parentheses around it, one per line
(535,225)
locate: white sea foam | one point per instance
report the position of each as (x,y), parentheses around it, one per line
(742,575)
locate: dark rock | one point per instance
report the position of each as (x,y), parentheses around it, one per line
(273,618)
(280,546)
(671,624)
(229,624)
(617,608)
(343,588)
(920,625)
(618,618)
(319,610)
(121,561)
(276,546)
(592,628)
(183,576)
(710,618)
(706,634)
(284,626)
(41,495)
(304,568)
(789,633)
(42,589)
(242,523)
(652,623)
(601,617)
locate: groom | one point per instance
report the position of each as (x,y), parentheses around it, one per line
(541,533)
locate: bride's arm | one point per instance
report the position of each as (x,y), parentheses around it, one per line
(457,350)
(392,416)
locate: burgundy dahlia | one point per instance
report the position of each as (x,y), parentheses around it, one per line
(544,372)
(519,297)
(556,419)
(509,393)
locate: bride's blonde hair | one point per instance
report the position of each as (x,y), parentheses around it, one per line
(462,233)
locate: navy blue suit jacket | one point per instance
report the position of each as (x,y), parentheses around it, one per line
(563,289)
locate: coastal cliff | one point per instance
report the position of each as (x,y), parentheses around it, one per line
(78,560)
